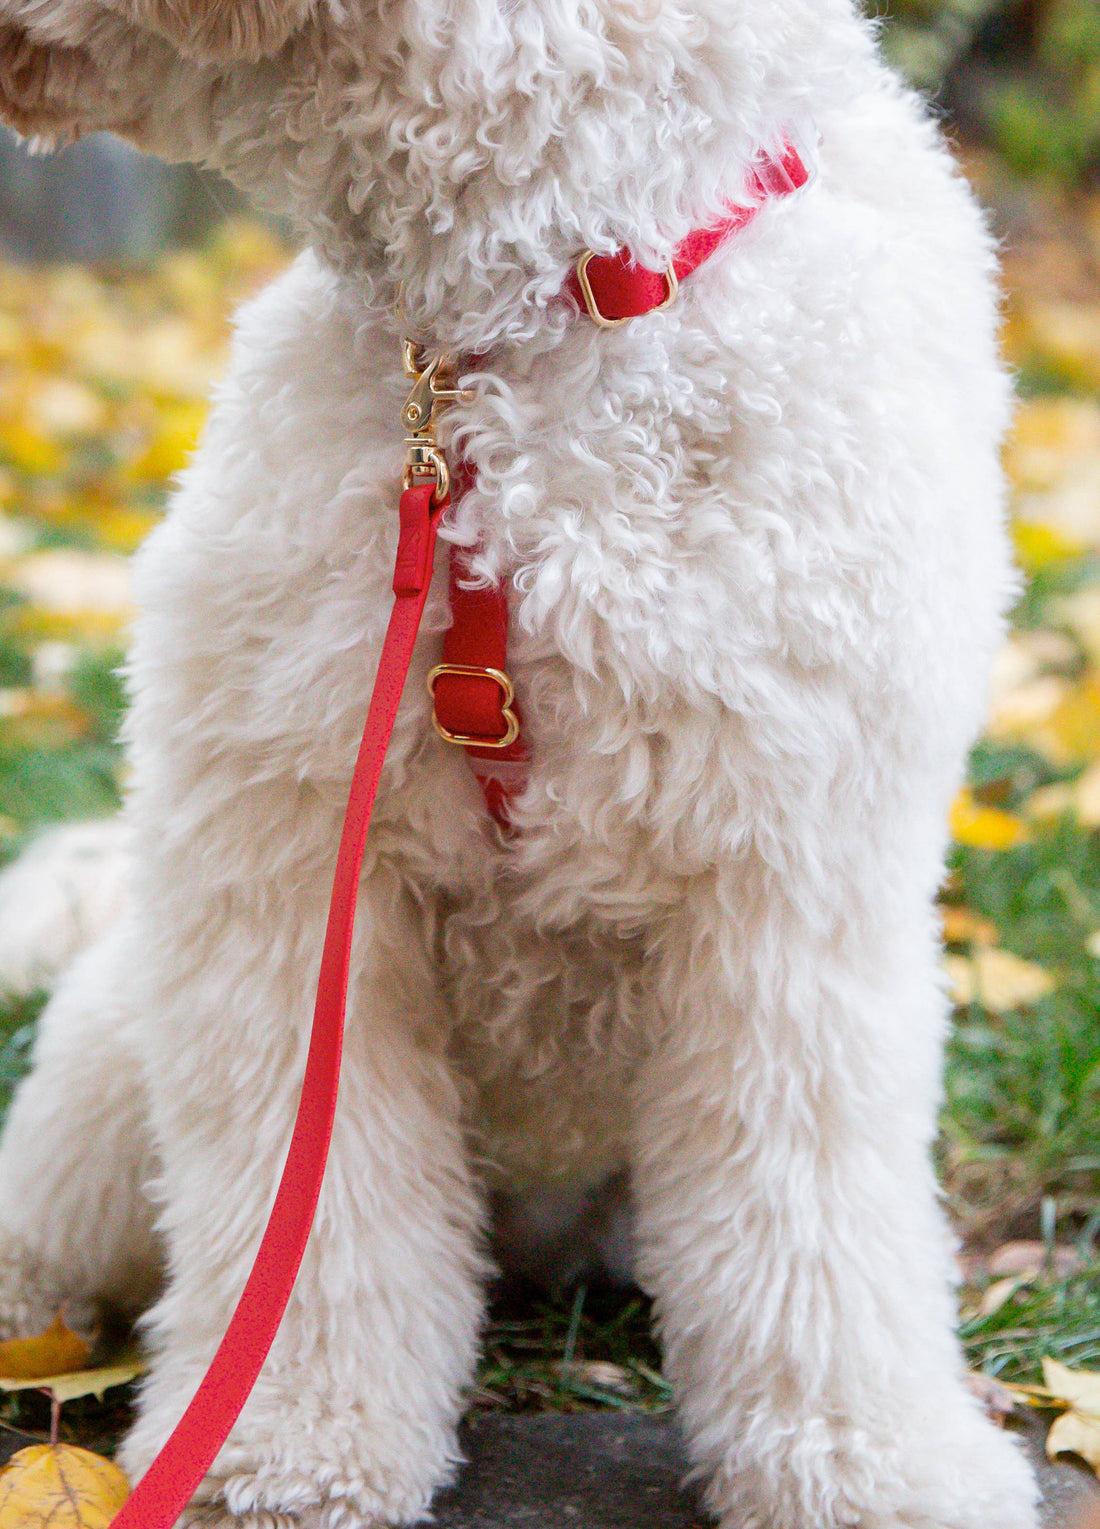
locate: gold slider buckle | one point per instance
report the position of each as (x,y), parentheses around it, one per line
(590,297)
(508,695)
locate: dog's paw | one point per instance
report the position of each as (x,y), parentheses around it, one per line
(33,1296)
(323,1495)
(212,1513)
(972,1478)
(954,1470)
(213,1516)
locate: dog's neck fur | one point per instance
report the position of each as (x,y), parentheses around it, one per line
(609,124)
(386,129)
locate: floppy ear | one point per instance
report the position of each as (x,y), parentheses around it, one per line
(53,91)
(218,30)
(72,65)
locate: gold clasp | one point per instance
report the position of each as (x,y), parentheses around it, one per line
(426,390)
(430,389)
(423,459)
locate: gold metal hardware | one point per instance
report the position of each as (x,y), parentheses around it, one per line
(507,696)
(431,389)
(425,460)
(590,297)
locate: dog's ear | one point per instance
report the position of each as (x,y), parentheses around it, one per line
(50,90)
(218,30)
(67,66)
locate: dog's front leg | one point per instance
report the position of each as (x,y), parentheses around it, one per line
(352,1420)
(789,1227)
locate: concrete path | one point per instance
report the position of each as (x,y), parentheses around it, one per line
(611,1471)
(604,1470)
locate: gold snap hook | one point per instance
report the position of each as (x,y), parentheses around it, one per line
(423,458)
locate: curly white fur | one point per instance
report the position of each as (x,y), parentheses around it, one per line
(757,566)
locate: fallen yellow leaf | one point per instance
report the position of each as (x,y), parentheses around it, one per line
(1076,722)
(66,1387)
(1080,797)
(57,1486)
(997,979)
(962,926)
(1077,1431)
(1038,546)
(1026,712)
(984,827)
(1050,803)
(54,1352)
(74,583)
(1067,336)
(28,449)
(1048,434)
(179,426)
(1053,460)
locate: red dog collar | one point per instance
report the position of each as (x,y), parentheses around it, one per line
(613,289)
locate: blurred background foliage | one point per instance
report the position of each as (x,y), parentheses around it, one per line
(1025,73)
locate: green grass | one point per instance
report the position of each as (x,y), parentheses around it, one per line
(1058,1318)
(45,780)
(1023,1087)
(591,1347)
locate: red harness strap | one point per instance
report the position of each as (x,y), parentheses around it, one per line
(481,619)
(473,700)
(471,690)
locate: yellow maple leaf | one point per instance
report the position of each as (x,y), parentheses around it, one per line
(1077,1431)
(58,1486)
(54,1352)
(984,827)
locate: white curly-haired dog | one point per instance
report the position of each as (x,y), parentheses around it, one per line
(754,553)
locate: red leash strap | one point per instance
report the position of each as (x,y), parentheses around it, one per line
(171,1480)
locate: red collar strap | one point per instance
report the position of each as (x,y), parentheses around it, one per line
(612,289)
(473,698)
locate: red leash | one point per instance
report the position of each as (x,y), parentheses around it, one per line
(611,289)
(171,1480)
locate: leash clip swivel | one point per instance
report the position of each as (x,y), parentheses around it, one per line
(432,387)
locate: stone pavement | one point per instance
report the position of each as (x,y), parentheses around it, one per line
(602,1470)
(620,1471)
